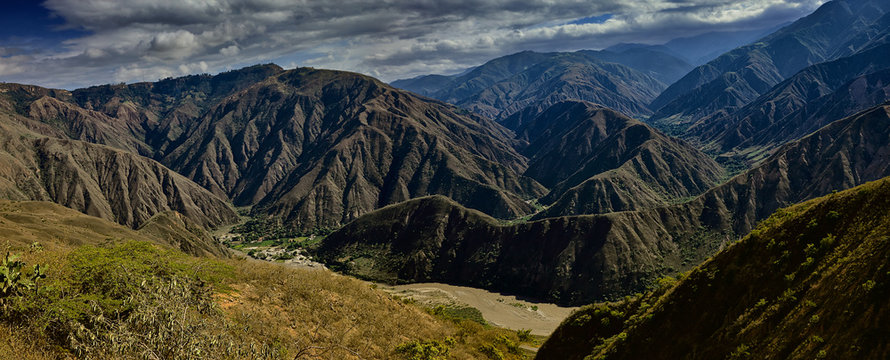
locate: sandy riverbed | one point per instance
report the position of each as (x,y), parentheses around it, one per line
(500,310)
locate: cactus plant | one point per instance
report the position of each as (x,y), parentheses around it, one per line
(13,281)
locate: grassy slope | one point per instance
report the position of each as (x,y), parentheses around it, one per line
(107,296)
(810,282)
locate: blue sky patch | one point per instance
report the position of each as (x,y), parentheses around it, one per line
(599,19)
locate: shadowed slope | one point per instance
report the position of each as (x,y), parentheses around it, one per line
(809,282)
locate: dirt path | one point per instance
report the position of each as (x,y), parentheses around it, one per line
(500,310)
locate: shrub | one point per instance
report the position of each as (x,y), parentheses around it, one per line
(524,335)
(740,352)
(491,352)
(511,345)
(425,350)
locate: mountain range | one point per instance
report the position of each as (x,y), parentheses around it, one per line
(285,141)
(837,29)
(578,258)
(624,80)
(568,177)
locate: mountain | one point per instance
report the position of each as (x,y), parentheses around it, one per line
(425,85)
(809,283)
(838,28)
(794,107)
(702,48)
(659,63)
(98,180)
(580,259)
(317,148)
(566,76)
(596,160)
(623,79)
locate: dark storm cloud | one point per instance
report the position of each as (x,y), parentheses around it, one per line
(130,40)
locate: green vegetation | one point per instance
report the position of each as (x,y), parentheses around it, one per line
(266,228)
(425,350)
(809,282)
(265,238)
(129,300)
(104,297)
(14,281)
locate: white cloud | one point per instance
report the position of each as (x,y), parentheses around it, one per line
(136,40)
(173,45)
(231,50)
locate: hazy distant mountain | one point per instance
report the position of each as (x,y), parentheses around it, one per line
(488,74)
(664,66)
(425,85)
(567,76)
(622,80)
(316,148)
(838,28)
(700,49)
(583,258)
(596,160)
(809,283)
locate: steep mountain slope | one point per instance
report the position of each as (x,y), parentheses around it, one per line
(583,258)
(792,109)
(838,28)
(596,160)
(320,148)
(315,147)
(98,180)
(148,118)
(488,74)
(174,229)
(809,283)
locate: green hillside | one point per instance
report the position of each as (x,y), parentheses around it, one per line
(810,282)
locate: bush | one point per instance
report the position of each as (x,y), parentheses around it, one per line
(425,350)
(491,352)
(524,335)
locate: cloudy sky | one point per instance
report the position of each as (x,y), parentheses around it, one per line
(76,43)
